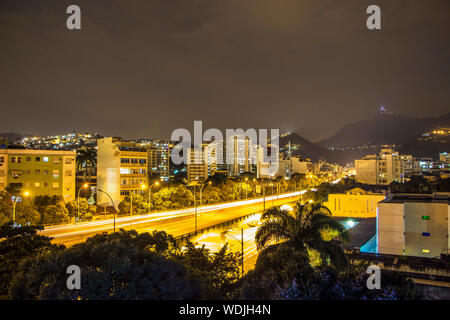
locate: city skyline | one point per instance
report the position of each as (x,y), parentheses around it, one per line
(147,69)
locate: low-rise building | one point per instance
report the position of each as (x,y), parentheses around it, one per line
(414,225)
(40,172)
(356,203)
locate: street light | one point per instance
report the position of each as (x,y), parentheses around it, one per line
(114,208)
(14,200)
(201,190)
(246,191)
(78,201)
(150,193)
(242,247)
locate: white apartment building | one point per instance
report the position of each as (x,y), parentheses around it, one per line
(121,169)
(414,225)
(382,168)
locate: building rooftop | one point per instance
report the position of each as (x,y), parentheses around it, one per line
(438,197)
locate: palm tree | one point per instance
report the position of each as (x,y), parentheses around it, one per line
(301,230)
(86,159)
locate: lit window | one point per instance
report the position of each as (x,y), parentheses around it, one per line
(45,159)
(425,217)
(55,173)
(124,171)
(425,251)
(37,184)
(55,185)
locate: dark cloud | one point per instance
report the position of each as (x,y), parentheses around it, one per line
(145,67)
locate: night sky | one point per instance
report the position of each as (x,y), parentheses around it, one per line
(141,68)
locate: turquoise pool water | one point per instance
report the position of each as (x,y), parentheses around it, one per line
(370,246)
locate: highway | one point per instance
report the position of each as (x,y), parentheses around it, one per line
(176,222)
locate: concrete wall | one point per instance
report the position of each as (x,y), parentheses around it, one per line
(366,171)
(436,227)
(390,228)
(108,172)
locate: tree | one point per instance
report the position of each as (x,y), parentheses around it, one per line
(18,244)
(217,179)
(121,265)
(218,272)
(139,205)
(86,159)
(302,231)
(211,194)
(86,210)
(328,284)
(173,197)
(25,210)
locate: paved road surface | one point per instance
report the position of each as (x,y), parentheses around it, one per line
(175,222)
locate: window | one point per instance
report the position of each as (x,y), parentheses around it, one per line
(45,171)
(68,173)
(124,171)
(425,251)
(37,159)
(55,185)
(425,217)
(125,160)
(45,184)
(19,159)
(37,171)
(45,159)
(143,161)
(28,158)
(2,159)
(37,184)
(426,234)
(68,160)
(55,173)
(56,160)
(13,159)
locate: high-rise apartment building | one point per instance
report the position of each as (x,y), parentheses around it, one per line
(159,159)
(197,167)
(241,155)
(121,169)
(382,168)
(40,172)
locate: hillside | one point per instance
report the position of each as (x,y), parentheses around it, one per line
(380,129)
(11,136)
(302,147)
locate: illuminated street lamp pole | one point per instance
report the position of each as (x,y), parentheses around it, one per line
(201,190)
(246,191)
(114,208)
(242,248)
(150,193)
(272,192)
(78,201)
(14,200)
